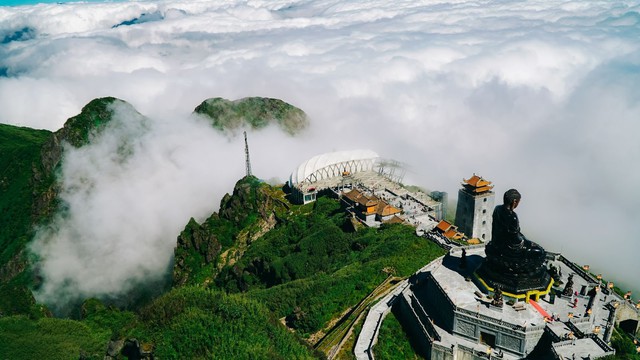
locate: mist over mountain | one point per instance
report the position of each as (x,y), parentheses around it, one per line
(124,187)
(542,96)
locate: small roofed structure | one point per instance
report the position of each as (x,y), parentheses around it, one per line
(394,220)
(369,208)
(449,230)
(386,211)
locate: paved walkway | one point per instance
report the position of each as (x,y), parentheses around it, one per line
(371,327)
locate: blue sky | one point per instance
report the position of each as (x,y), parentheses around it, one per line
(33,2)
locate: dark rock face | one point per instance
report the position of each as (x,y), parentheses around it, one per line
(247,199)
(195,238)
(243,217)
(129,348)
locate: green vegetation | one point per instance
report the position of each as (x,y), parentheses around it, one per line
(310,269)
(49,338)
(28,194)
(258,259)
(625,348)
(243,216)
(19,150)
(189,322)
(94,116)
(196,323)
(393,342)
(256,112)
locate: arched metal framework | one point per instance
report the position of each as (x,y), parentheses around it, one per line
(334,164)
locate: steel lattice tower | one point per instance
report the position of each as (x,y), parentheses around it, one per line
(246,153)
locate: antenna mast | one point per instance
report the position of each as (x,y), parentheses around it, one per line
(246,153)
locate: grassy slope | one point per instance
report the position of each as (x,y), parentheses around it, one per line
(186,323)
(393,342)
(197,323)
(309,262)
(48,338)
(19,149)
(312,265)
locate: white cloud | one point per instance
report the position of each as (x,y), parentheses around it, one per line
(127,195)
(538,95)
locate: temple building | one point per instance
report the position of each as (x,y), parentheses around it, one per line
(505,299)
(475,206)
(448,230)
(369,208)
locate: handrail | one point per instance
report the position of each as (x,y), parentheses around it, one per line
(579,334)
(495,321)
(424,318)
(374,336)
(577,269)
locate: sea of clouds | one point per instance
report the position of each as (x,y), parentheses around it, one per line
(539,95)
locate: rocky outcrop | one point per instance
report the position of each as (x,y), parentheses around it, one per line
(13,267)
(131,349)
(196,242)
(244,216)
(253,112)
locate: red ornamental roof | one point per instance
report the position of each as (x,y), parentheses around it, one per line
(357,197)
(477,184)
(477,181)
(448,230)
(444,225)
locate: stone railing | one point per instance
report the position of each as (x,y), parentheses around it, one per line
(581,320)
(607,349)
(563,343)
(467,247)
(492,320)
(453,306)
(373,338)
(572,326)
(424,318)
(592,280)
(439,239)
(442,348)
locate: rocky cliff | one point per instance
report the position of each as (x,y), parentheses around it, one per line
(244,216)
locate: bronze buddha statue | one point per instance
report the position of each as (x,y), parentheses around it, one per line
(512,262)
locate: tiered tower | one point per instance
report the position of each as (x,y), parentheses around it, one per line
(475,206)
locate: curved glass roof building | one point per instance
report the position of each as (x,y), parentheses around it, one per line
(328,165)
